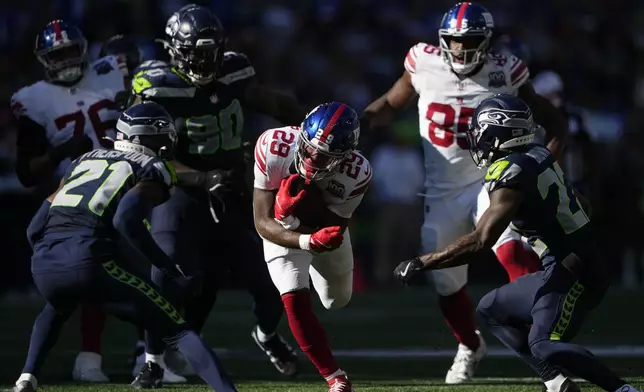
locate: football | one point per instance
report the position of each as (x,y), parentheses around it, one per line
(312,208)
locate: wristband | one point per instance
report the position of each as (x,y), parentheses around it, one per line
(290,222)
(305,240)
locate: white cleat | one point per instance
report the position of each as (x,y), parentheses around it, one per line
(87,368)
(465,362)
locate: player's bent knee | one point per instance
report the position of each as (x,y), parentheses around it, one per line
(337,301)
(543,348)
(449,281)
(485,310)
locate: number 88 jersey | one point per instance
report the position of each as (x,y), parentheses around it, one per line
(445,106)
(342,191)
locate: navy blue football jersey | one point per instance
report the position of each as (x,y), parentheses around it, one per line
(550,216)
(209,119)
(93,186)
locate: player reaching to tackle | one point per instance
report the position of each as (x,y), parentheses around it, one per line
(536,315)
(59,118)
(311,240)
(78,235)
(450,81)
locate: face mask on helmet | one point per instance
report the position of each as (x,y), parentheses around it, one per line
(198,64)
(464,53)
(65,63)
(312,163)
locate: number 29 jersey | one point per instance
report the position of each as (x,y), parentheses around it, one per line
(342,191)
(93,186)
(550,215)
(209,118)
(445,106)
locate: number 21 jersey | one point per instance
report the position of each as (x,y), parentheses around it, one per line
(445,106)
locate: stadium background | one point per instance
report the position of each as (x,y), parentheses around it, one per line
(353,51)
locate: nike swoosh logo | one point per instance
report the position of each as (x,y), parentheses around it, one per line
(405,271)
(367,171)
(264,142)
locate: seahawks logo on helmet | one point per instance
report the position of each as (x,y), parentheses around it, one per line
(504,118)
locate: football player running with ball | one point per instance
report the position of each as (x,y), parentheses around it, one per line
(206,89)
(59,118)
(536,315)
(450,81)
(304,226)
(78,235)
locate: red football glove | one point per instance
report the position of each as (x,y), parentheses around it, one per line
(325,240)
(285,203)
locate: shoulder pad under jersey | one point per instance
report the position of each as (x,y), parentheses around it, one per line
(151,64)
(162,83)
(26,102)
(513,171)
(235,68)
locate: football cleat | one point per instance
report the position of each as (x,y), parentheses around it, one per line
(568,386)
(26,383)
(169,377)
(150,377)
(340,384)
(282,356)
(465,362)
(87,368)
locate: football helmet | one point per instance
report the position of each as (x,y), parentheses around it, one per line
(126,49)
(196,43)
(146,128)
(500,125)
(471,26)
(62,49)
(328,135)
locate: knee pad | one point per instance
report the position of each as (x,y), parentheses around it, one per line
(336,301)
(449,281)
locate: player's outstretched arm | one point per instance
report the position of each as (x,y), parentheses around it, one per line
(549,117)
(266,225)
(129,218)
(281,107)
(381,112)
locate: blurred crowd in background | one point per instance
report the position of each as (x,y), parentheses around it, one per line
(353,51)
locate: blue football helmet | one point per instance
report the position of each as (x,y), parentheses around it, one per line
(196,43)
(329,134)
(146,128)
(62,49)
(126,49)
(469,26)
(500,125)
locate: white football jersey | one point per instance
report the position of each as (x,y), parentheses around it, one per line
(343,191)
(445,106)
(87,107)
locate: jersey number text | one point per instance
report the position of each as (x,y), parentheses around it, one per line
(570,215)
(443,135)
(78,119)
(90,170)
(208,134)
(351,167)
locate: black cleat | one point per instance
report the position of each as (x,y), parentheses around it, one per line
(282,356)
(24,386)
(150,377)
(568,386)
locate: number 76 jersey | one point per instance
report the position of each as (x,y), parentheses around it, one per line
(445,106)
(342,191)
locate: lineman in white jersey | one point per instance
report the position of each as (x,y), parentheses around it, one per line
(321,154)
(60,118)
(450,81)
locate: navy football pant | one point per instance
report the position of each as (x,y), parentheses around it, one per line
(538,314)
(186,231)
(129,297)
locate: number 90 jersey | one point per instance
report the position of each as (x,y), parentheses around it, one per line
(342,191)
(550,215)
(93,186)
(445,106)
(209,118)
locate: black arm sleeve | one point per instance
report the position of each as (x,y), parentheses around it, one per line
(32,142)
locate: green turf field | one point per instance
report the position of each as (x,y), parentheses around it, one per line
(390,340)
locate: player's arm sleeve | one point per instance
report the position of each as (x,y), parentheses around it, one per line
(31,143)
(519,73)
(262,169)
(236,70)
(36,227)
(129,218)
(505,174)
